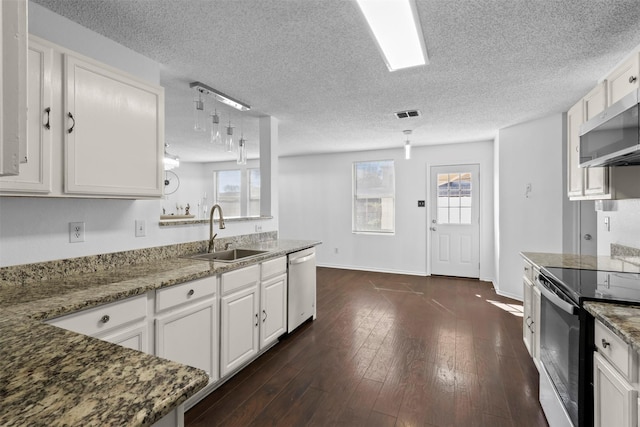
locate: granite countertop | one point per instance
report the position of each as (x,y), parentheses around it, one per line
(50,376)
(623,320)
(587,262)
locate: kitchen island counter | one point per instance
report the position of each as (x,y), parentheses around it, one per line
(50,376)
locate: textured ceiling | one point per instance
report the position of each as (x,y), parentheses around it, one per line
(314,65)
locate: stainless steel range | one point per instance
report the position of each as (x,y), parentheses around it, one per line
(566,337)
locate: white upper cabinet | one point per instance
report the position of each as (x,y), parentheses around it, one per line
(596,180)
(13,85)
(114,132)
(624,79)
(94,131)
(35,174)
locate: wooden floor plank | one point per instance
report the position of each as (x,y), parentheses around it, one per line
(385,350)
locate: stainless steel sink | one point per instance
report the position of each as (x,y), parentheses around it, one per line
(230,255)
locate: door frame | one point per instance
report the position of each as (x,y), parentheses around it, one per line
(429,212)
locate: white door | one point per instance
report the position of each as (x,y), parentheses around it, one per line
(454,227)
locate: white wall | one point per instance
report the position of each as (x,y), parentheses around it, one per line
(532,153)
(624,218)
(315,203)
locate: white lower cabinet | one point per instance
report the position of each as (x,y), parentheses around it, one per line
(239,318)
(615,399)
(531,313)
(122,322)
(273,301)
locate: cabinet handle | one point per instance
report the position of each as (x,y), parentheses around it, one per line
(577,149)
(256,319)
(265,316)
(632,79)
(48,111)
(73,124)
(605,343)
(105,318)
(191,292)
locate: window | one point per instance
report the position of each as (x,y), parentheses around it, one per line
(228,185)
(374,197)
(254,192)
(238,192)
(454,198)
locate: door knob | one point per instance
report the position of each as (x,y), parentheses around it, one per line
(587,237)
(432,228)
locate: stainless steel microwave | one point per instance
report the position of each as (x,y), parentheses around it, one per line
(612,138)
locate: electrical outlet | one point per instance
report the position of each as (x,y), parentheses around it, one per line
(76,232)
(141,228)
(421,203)
(258,228)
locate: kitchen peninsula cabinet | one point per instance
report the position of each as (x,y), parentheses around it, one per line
(94,131)
(239,320)
(273,301)
(122,322)
(35,174)
(187,324)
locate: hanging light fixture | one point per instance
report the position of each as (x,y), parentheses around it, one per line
(219,96)
(170,161)
(228,140)
(242,146)
(198,112)
(407,145)
(215,128)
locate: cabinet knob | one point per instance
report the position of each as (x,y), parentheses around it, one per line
(105,318)
(190,293)
(605,343)
(632,79)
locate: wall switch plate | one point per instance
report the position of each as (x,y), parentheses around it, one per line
(141,228)
(76,232)
(607,223)
(421,203)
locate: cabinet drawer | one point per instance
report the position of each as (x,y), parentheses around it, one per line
(238,279)
(104,318)
(614,349)
(185,292)
(274,267)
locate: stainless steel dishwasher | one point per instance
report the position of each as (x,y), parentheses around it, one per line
(302,287)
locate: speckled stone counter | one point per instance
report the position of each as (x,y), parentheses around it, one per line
(623,320)
(580,261)
(50,376)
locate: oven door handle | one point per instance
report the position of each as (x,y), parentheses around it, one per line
(557,301)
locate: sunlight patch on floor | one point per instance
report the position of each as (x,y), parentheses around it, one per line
(515,309)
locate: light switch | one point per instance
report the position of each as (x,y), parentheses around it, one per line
(141,228)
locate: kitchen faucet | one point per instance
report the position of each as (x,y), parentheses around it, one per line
(220,220)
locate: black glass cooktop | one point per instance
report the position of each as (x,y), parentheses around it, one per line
(599,285)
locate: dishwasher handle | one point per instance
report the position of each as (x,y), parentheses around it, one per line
(294,261)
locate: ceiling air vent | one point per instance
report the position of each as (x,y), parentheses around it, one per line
(407,114)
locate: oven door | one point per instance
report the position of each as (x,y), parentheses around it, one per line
(559,356)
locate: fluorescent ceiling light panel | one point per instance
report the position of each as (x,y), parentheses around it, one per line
(397,30)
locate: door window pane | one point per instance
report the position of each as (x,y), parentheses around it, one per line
(454,198)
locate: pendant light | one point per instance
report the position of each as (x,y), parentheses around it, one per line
(215,125)
(198,113)
(242,146)
(407,145)
(228,141)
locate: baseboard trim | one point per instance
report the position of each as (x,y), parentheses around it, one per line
(376,270)
(507,294)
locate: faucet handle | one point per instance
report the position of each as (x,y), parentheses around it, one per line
(228,246)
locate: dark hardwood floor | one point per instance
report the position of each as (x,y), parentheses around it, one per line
(389,350)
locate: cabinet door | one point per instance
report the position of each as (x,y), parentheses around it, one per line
(13,85)
(273,295)
(114,132)
(190,336)
(527,315)
(239,328)
(596,180)
(535,329)
(624,79)
(615,400)
(35,174)
(135,337)
(575,174)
